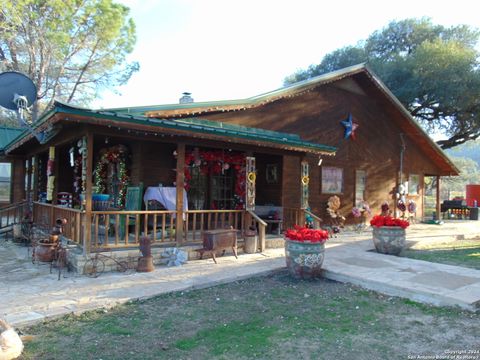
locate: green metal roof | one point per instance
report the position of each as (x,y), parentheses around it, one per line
(7,135)
(195,126)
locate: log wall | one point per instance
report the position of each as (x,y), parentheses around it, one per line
(316,115)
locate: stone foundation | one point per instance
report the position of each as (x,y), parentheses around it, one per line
(76,259)
(274,243)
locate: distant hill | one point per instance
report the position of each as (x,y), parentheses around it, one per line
(470,150)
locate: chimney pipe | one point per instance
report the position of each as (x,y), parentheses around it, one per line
(186,98)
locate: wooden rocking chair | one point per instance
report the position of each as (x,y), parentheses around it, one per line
(133,201)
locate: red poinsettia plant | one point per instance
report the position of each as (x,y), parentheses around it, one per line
(304,234)
(381,220)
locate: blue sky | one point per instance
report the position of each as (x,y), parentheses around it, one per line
(235,49)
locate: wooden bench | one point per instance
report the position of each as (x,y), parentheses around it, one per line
(219,240)
(272,215)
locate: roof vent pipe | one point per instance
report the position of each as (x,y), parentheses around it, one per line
(186,98)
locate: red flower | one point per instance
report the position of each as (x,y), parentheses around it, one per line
(380,220)
(304,234)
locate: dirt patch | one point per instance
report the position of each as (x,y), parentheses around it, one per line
(273,317)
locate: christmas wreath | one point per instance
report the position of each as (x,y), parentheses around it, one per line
(114,155)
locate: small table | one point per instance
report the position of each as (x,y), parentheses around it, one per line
(219,239)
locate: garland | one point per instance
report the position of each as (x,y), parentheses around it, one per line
(215,163)
(113,155)
(77,178)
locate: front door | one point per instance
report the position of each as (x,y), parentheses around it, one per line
(212,192)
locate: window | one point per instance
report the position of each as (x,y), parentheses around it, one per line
(413,184)
(360,182)
(222,191)
(5,178)
(197,193)
(332,180)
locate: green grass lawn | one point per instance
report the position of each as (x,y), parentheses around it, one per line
(272,317)
(460,253)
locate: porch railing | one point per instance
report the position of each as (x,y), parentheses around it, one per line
(296,216)
(293,216)
(12,214)
(47,214)
(197,221)
(123,229)
(316,220)
(257,223)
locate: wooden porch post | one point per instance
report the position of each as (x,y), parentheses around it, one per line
(304,182)
(88,195)
(437,203)
(180,181)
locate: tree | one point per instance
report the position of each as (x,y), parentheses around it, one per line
(433,70)
(70,49)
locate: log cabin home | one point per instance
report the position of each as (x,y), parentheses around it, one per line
(269,161)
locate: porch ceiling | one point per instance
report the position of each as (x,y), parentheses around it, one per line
(181,127)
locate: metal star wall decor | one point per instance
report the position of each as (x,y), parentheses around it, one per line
(350,127)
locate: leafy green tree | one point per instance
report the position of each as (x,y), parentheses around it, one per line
(469,174)
(433,70)
(71,49)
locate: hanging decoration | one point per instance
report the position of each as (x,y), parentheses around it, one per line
(113,156)
(305,180)
(82,150)
(350,127)
(402,207)
(250,172)
(412,207)
(42,195)
(77,178)
(50,173)
(216,162)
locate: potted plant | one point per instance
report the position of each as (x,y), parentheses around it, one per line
(45,248)
(305,251)
(388,234)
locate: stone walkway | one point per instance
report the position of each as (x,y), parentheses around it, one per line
(29,293)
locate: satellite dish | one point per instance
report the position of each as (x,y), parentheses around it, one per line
(17,91)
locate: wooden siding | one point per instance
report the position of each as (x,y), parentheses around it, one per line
(291,182)
(316,115)
(268,193)
(18,180)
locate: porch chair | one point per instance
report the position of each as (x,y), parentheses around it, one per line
(133,202)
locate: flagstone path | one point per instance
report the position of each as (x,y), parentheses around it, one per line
(29,293)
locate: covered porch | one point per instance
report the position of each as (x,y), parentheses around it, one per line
(106,174)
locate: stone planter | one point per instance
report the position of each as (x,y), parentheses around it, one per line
(304,259)
(389,239)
